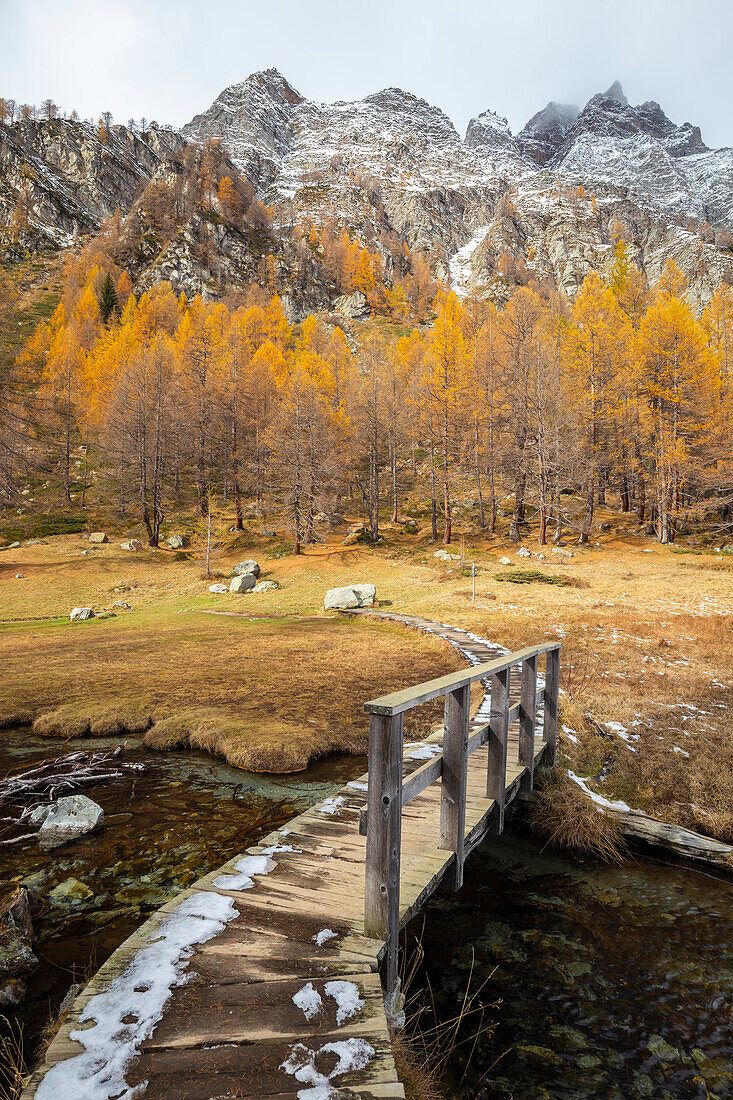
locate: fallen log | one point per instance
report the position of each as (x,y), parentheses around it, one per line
(683,842)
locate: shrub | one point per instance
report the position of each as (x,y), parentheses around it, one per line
(528,576)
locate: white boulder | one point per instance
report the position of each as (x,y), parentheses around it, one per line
(505,560)
(445,555)
(523,552)
(351,596)
(245,567)
(176,542)
(265,586)
(244,582)
(98,536)
(78,614)
(71,817)
(131,544)
(218,588)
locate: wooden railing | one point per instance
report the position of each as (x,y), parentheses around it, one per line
(389,791)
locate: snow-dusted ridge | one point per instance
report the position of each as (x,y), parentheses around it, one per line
(277,136)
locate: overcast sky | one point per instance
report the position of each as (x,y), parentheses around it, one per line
(168,59)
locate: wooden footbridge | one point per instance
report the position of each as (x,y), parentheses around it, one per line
(263,979)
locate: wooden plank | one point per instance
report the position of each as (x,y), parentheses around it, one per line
(421,778)
(400,701)
(453,785)
(478,738)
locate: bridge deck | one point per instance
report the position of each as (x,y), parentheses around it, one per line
(258,981)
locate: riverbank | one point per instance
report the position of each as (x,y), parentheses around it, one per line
(646,666)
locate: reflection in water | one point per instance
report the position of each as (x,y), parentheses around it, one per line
(615,983)
(164,828)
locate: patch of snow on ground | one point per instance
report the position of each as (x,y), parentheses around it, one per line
(597,798)
(358,785)
(245,868)
(571,735)
(346,996)
(332,805)
(425,752)
(323,936)
(251,865)
(139,995)
(308,1000)
(352,1055)
(459,265)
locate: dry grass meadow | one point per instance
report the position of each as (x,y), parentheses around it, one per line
(647,660)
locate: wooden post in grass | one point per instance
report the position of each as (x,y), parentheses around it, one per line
(453,785)
(382,897)
(498,727)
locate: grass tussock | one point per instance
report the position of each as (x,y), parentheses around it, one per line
(271,695)
(418,1077)
(13,1070)
(74,720)
(267,747)
(567,819)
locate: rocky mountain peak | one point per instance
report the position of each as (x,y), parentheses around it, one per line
(616,93)
(545,132)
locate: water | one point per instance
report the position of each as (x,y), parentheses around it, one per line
(164,828)
(615,982)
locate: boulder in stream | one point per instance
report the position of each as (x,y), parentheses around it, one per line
(71,817)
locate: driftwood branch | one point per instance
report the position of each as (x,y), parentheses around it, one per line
(50,780)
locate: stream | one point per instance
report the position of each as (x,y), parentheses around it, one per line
(612,982)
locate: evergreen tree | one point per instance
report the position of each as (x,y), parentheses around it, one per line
(107,299)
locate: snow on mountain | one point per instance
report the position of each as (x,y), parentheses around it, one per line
(641,149)
(393,163)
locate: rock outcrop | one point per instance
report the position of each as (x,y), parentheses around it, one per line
(17,959)
(350,597)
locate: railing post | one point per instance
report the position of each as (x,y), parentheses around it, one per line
(498,727)
(453,785)
(527,712)
(382,891)
(552,692)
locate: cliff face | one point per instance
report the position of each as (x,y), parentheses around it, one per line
(394,164)
(60,179)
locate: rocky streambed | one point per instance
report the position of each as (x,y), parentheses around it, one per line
(613,982)
(164,827)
